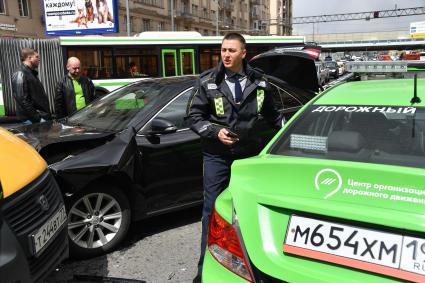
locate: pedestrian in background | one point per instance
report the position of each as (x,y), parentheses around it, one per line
(32,104)
(224,109)
(73,91)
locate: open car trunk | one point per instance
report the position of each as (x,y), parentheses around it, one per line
(296,67)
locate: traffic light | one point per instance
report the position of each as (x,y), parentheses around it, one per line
(376,14)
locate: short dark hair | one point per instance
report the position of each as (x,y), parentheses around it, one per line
(237,36)
(26,52)
(132,64)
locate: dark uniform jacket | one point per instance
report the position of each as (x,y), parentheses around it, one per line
(212,107)
(31,99)
(65,100)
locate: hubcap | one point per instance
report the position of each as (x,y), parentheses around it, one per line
(94,220)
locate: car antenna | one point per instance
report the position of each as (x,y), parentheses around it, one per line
(415,98)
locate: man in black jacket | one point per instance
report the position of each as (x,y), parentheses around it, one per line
(224,110)
(32,104)
(73,91)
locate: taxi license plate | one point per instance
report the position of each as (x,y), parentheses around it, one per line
(375,251)
(48,230)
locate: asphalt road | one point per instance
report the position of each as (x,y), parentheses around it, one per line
(160,249)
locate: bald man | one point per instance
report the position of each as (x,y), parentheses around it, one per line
(73,91)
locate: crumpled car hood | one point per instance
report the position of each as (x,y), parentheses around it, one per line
(42,134)
(116,155)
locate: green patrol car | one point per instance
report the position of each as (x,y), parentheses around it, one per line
(337,196)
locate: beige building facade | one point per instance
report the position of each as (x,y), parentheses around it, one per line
(25,18)
(21,18)
(280,17)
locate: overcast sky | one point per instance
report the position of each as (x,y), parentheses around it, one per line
(302,8)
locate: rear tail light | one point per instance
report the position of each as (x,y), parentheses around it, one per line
(225,247)
(313,52)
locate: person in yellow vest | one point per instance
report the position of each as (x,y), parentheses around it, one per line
(73,91)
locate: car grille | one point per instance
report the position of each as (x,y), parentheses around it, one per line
(23,212)
(25,215)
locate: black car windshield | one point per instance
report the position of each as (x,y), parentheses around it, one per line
(331,65)
(372,134)
(115,111)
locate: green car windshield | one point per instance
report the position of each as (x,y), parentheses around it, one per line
(115,111)
(372,134)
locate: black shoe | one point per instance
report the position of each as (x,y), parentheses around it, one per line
(197,279)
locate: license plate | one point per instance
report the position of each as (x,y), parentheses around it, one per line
(375,251)
(48,230)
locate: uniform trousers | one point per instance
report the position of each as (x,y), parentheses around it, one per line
(216,179)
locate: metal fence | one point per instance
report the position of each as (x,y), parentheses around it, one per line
(51,67)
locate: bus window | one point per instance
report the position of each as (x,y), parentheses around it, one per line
(187,61)
(208,58)
(95,63)
(169,62)
(255,50)
(145,59)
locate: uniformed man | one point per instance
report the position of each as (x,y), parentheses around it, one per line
(224,109)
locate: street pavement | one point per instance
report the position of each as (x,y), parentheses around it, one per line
(158,250)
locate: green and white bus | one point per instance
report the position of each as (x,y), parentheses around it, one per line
(157,54)
(107,60)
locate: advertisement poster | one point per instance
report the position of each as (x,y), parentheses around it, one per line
(77,17)
(417,29)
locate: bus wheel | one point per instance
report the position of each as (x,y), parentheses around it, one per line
(98,220)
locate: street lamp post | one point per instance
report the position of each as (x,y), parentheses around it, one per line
(172,14)
(127,10)
(216,19)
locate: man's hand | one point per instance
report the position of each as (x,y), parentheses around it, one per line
(226,137)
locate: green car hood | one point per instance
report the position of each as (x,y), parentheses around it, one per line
(266,190)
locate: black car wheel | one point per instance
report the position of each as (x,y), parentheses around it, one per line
(98,220)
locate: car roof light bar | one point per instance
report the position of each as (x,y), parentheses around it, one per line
(365,68)
(370,67)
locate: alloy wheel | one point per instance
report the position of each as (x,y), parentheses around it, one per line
(94,220)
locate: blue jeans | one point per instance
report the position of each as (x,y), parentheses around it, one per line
(216,179)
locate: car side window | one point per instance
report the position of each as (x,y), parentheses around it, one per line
(176,110)
(289,101)
(283,99)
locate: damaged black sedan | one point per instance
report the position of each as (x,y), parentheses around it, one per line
(131,155)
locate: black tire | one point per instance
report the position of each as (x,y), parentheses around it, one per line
(90,234)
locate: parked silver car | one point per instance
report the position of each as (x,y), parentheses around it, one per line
(322,73)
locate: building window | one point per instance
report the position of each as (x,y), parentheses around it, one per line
(132,29)
(155,3)
(195,10)
(185,7)
(2,7)
(146,25)
(23,8)
(161,26)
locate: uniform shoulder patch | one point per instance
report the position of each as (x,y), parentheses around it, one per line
(262,83)
(212,86)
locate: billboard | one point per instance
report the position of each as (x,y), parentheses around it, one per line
(77,17)
(417,29)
